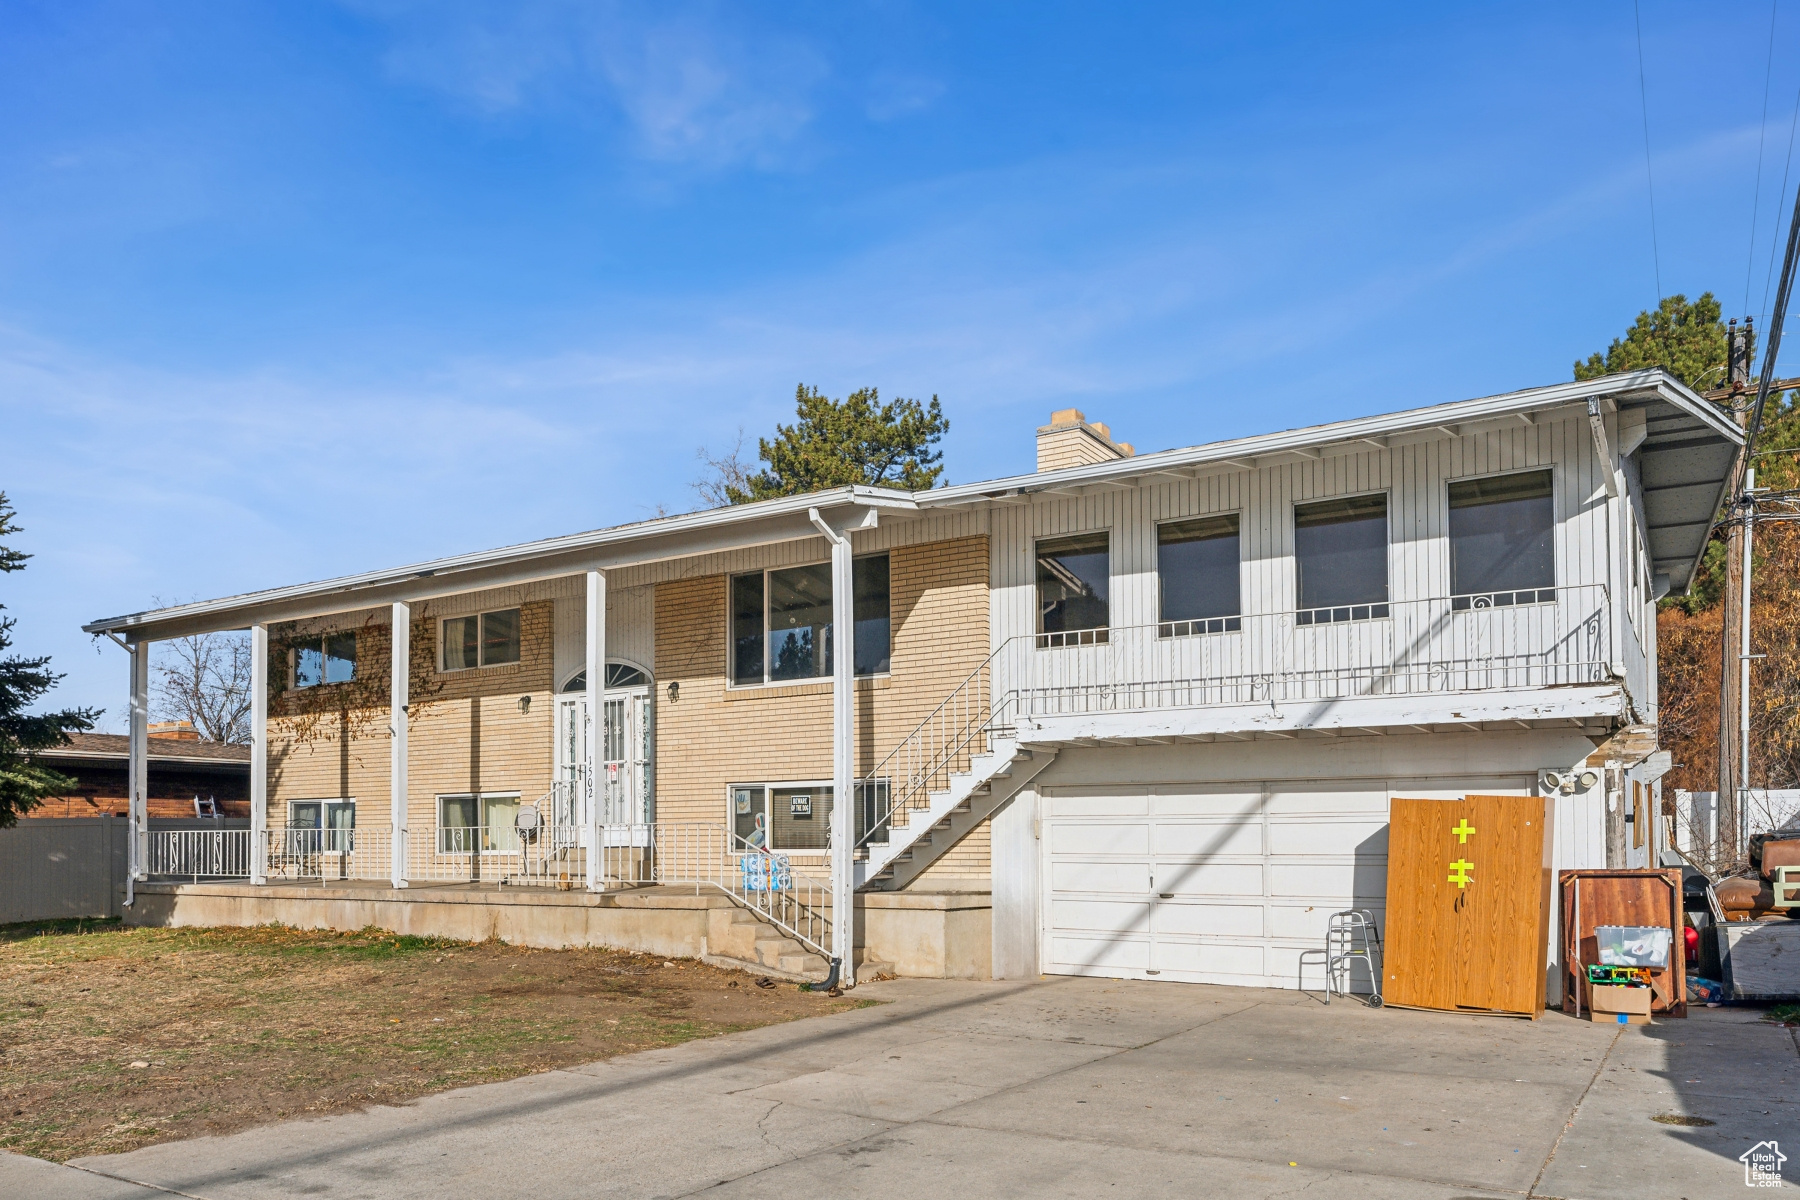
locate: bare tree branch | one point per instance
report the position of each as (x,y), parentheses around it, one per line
(726,473)
(205,679)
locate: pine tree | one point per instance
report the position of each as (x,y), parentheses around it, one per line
(23,782)
(1686,340)
(857,440)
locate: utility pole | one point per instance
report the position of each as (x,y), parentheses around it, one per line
(1742,511)
(1744,655)
(1739,347)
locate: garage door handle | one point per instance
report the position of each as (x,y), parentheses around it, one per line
(1165,895)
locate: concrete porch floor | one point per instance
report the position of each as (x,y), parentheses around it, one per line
(1062,1087)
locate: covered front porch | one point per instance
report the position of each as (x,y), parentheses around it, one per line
(587,834)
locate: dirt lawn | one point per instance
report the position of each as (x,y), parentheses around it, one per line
(112,1038)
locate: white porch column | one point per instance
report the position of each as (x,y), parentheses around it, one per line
(138,801)
(843,751)
(397,705)
(259,754)
(592,788)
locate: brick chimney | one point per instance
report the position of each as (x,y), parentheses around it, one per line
(180,731)
(1071,440)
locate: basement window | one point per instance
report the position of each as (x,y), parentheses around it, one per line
(784,817)
(470,823)
(1341,559)
(1502,541)
(1197,576)
(321,826)
(328,658)
(488,639)
(781,622)
(1074,585)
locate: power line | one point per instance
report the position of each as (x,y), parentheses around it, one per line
(1644,102)
(1762,130)
(1773,350)
(1792,126)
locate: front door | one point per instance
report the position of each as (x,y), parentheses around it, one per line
(625,785)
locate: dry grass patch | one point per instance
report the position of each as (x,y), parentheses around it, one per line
(113,1038)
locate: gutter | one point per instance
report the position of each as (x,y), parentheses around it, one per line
(1376,431)
(422,580)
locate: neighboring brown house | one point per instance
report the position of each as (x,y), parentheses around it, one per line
(182,767)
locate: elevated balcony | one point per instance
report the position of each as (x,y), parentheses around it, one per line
(1544,656)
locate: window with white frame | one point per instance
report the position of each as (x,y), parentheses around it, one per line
(1074,589)
(797,816)
(1502,540)
(324,658)
(321,825)
(488,639)
(1341,559)
(1197,576)
(478,822)
(781,621)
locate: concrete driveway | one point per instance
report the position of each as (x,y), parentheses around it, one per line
(1064,1087)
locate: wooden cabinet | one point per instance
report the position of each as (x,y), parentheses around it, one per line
(1468,904)
(1641,896)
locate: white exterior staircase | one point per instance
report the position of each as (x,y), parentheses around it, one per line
(951,773)
(918,836)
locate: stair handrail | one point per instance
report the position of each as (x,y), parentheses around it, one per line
(973,708)
(712,855)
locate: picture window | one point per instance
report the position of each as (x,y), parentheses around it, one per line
(781,622)
(1502,540)
(1341,559)
(1197,576)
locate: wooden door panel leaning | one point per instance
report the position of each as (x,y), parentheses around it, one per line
(1468,904)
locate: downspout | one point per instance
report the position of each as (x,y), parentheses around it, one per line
(130,807)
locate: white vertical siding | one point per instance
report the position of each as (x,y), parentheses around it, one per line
(1415,477)
(630,630)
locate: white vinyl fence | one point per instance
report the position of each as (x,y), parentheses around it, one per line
(53,867)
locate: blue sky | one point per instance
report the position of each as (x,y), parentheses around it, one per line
(289,291)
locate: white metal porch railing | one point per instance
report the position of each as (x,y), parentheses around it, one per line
(1506,641)
(323,854)
(1499,641)
(710,856)
(199,854)
(702,855)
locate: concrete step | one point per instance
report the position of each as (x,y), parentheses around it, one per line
(756,968)
(804,962)
(867,967)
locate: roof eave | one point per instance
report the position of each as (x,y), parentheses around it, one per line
(786,516)
(1653,382)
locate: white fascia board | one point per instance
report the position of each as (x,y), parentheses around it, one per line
(1424,424)
(735,527)
(1584,703)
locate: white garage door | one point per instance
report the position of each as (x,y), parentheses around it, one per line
(1217,884)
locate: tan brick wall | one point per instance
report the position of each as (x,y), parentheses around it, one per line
(715,735)
(465,731)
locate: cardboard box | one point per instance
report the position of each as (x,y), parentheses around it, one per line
(1606,999)
(1607,1018)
